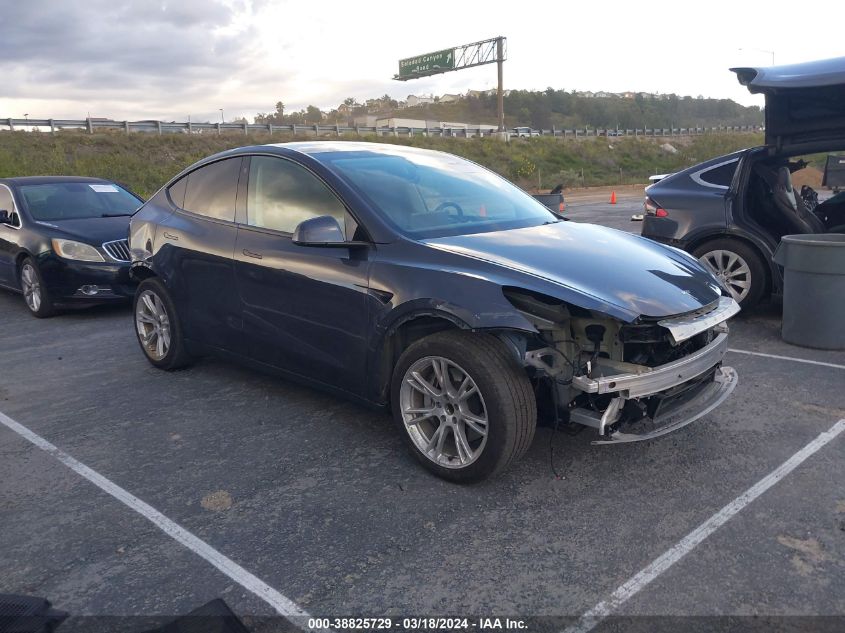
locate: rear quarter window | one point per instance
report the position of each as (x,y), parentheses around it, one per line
(720,176)
(212,190)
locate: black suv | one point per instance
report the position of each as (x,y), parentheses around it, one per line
(731,211)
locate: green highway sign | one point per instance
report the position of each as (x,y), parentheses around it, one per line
(428,64)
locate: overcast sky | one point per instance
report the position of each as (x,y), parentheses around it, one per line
(168,59)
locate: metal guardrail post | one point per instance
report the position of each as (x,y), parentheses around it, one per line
(90,127)
(158,125)
(52,127)
(293,128)
(218,129)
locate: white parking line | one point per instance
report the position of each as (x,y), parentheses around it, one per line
(793,359)
(283,605)
(683,547)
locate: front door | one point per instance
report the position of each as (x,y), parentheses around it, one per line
(304,307)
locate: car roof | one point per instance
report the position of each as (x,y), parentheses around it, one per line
(823,72)
(48,180)
(312,148)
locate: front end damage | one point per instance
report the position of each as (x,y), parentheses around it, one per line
(629,381)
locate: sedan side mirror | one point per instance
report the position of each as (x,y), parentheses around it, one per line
(5,217)
(324,230)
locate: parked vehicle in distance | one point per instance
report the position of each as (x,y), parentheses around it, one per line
(523,132)
(418,280)
(730,212)
(63,240)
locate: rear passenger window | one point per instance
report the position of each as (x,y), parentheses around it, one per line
(212,190)
(721,175)
(281,194)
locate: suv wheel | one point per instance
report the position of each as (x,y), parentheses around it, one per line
(737,266)
(463,404)
(34,292)
(157,326)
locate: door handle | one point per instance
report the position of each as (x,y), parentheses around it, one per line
(170,236)
(253,255)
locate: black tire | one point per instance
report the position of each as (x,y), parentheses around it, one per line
(759,275)
(508,398)
(31,281)
(176,355)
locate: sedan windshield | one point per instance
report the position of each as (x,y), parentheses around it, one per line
(429,194)
(77,200)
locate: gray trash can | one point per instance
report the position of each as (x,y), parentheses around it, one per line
(813,289)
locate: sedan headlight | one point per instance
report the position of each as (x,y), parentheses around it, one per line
(76,250)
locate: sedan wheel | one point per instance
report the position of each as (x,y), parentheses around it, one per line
(35,293)
(31,287)
(444,412)
(153,325)
(731,269)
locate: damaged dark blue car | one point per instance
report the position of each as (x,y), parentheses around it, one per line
(420,281)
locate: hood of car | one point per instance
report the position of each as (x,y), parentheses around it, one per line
(805,103)
(613,268)
(90,230)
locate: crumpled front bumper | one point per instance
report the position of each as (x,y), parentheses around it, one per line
(688,389)
(678,414)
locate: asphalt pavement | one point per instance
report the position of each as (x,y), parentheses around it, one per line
(317,499)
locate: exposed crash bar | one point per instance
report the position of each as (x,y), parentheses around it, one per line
(685,327)
(659,378)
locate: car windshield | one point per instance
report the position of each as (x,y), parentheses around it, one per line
(431,194)
(77,200)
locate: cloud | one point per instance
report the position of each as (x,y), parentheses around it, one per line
(140,51)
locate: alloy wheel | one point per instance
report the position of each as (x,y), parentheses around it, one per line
(31,287)
(153,325)
(444,412)
(731,269)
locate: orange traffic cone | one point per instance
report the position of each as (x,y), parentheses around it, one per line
(612,197)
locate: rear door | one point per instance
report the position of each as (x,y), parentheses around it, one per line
(304,307)
(805,103)
(197,242)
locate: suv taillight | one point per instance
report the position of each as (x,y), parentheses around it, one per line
(652,208)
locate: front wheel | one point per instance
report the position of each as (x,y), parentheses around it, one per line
(463,405)
(157,326)
(35,293)
(737,266)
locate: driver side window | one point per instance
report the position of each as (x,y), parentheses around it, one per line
(281,194)
(7,203)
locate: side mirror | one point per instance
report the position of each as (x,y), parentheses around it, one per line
(324,230)
(5,217)
(320,231)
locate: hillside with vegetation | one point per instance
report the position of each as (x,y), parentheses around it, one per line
(542,110)
(145,162)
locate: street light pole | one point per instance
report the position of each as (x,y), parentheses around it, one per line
(500,91)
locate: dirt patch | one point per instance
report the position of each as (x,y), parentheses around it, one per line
(217,501)
(808,554)
(811,176)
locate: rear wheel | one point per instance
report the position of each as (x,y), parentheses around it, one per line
(738,266)
(157,326)
(35,294)
(463,405)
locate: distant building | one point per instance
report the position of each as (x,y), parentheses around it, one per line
(365,120)
(449,98)
(414,100)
